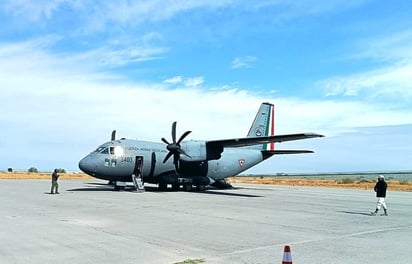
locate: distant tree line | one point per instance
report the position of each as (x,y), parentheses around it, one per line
(35,170)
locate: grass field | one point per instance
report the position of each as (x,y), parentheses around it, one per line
(394,185)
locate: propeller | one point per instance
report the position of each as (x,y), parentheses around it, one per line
(174,148)
(113,135)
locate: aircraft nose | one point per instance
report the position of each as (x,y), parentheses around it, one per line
(87,165)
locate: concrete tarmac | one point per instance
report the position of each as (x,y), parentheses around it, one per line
(88,222)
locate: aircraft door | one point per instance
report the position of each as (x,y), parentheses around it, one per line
(138,167)
(138,173)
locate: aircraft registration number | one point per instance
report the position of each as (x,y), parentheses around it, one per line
(127,159)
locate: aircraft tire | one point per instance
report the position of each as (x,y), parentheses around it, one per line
(187,187)
(222,184)
(162,186)
(176,187)
(119,188)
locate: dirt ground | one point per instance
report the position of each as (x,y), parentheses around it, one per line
(394,185)
(42,175)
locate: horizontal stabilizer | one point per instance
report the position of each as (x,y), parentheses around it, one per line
(269,153)
(278,152)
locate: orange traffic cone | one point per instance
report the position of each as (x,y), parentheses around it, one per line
(287,256)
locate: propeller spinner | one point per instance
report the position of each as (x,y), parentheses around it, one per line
(174,148)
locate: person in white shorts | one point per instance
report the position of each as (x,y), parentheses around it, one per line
(380,189)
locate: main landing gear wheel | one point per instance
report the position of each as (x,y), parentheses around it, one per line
(162,186)
(175,187)
(187,187)
(119,188)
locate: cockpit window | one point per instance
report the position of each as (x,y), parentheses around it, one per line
(99,149)
(113,150)
(103,150)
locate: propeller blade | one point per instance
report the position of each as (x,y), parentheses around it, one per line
(113,135)
(169,154)
(165,141)
(174,132)
(175,161)
(183,136)
(181,151)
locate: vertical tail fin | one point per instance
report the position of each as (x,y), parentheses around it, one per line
(264,125)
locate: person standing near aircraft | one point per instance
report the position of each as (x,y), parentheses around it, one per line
(55,185)
(380,189)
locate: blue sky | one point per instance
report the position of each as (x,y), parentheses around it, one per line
(71,71)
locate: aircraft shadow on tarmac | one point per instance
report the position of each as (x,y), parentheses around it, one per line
(94,187)
(353,212)
(104,187)
(91,189)
(215,192)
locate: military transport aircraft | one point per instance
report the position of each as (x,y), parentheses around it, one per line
(194,162)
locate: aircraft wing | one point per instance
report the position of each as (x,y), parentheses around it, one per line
(249,141)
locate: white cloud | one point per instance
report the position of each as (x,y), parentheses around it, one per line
(174,80)
(186,81)
(34,11)
(194,81)
(113,58)
(152,10)
(34,55)
(391,82)
(243,62)
(98,16)
(395,46)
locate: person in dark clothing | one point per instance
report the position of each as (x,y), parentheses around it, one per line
(380,189)
(55,185)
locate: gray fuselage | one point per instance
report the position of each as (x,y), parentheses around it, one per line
(115,161)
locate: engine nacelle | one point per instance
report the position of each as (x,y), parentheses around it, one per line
(200,151)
